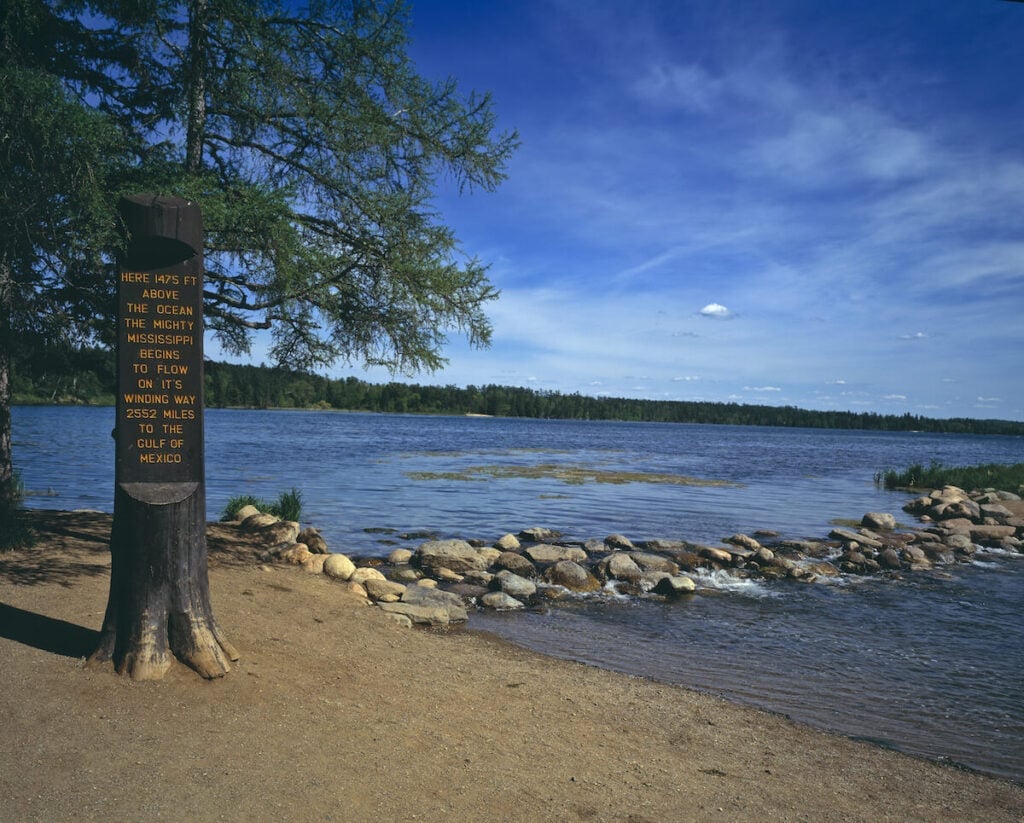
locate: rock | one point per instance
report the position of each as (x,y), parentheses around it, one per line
(661,545)
(947,510)
(245,512)
(514,585)
(938,552)
(315,563)
(456,555)
(406,575)
(620,566)
(381,589)
(489,554)
(281,531)
(744,541)
(339,567)
(257,521)
(296,554)
(447,575)
(468,591)
(539,535)
(857,538)
(878,520)
(546,553)
(572,576)
(508,543)
(996,511)
(363,574)
(717,555)
(476,578)
(822,568)
(399,557)
(689,561)
(673,586)
(654,563)
(889,558)
(425,615)
(399,619)
(764,556)
(990,534)
(436,599)
(500,601)
(618,541)
(358,590)
(516,563)
(313,540)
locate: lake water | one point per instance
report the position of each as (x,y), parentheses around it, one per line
(929,665)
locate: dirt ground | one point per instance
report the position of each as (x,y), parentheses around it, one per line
(333,713)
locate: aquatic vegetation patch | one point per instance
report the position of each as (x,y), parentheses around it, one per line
(575,475)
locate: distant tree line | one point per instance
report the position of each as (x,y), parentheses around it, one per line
(88,376)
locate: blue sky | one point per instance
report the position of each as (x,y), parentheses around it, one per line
(816,203)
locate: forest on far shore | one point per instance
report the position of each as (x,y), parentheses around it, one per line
(88,376)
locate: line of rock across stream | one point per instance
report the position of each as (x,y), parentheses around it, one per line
(435,583)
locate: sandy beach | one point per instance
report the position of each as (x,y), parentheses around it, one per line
(335,713)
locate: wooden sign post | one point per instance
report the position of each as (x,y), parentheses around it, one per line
(159,594)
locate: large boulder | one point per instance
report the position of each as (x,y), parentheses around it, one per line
(339,567)
(516,563)
(365,573)
(620,566)
(501,601)
(744,541)
(426,615)
(673,586)
(514,585)
(879,521)
(856,538)
(538,534)
(247,511)
(383,590)
(257,520)
(314,541)
(282,531)
(431,598)
(654,562)
(546,553)
(456,555)
(619,541)
(572,576)
(508,543)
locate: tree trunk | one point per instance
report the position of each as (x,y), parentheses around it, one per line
(159,601)
(7,491)
(196,92)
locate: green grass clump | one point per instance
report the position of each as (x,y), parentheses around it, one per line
(288,505)
(1006,477)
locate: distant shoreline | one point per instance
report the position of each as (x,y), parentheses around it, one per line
(952,426)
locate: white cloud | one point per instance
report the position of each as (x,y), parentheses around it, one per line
(761,388)
(716,310)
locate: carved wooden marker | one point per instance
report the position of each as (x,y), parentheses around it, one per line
(159,594)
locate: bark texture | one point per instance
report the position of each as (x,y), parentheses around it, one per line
(159,602)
